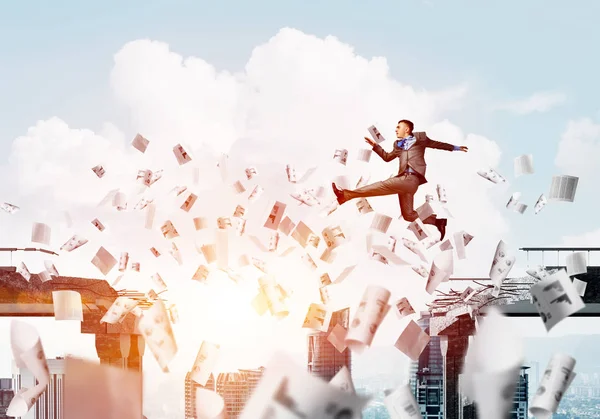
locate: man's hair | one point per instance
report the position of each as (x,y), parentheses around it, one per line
(410,125)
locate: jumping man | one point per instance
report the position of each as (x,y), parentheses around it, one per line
(410,149)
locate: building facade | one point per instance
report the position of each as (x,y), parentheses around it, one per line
(50,403)
(324,360)
(6,395)
(427,375)
(235,388)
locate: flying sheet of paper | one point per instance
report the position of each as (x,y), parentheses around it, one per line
(404,308)
(23,271)
(538,272)
(40,233)
(9,208)
(140,143)
(340,156)
(556,298)
(367,318)
(150,212)
(118,310)
(73,243)
(363,206)
(502,263)
(287,391)
(580,286)
(563,188)
(67,305)
(181,155)
(318,317)
(275,216)
(524,165)
(28,353)
(343,380)
(381,223)
(155,327)
(441,192)
(491,175)
(104,261)
(440,270)
(412,341)
(540,203)
(364,155)
(555,382)
(418,228)
(576,263)
(375,134)
(401,404)
(99,391)
(205,362)
(337,337)
(251,172)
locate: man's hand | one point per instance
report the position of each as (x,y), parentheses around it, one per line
(370,142)
(463,148)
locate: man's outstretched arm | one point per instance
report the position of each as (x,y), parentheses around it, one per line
(379,150)
(444,146)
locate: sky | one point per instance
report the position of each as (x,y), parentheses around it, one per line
(270,83)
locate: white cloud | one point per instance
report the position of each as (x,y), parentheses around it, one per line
(579,149)
(537,102)
(297,100)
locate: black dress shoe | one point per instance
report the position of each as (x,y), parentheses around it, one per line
(338,194)
(441,223)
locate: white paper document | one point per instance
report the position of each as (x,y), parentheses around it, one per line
(401,404)
(412,341)
(540,203)
(441,269)
(375,134)
(104,261)
(157,331)
(576,263)
(28,353)
(205,362)
(40,233)
(67,305)
(502,263)
(287,391)
(563,188)
(553,385)
(368,317)
(73,243)
(317,318)
(118,310)
(381,223)
(524,165)
(491,175)
(556,298)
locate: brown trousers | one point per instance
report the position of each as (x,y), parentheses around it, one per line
(405,186)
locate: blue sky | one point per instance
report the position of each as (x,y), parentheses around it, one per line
(57,58)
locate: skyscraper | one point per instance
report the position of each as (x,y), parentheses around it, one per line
(520,401)
(235,388)
(323,359)
(50,403)
(6,395)
(427,375)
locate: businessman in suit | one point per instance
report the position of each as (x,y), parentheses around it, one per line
(409,148)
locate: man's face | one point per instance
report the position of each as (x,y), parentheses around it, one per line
(402,130)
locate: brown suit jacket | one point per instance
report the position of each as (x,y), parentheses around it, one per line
(414,156)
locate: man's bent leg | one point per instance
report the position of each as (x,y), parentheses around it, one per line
(407,199)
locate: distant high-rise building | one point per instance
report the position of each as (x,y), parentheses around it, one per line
(190,393)
(427,375)
(324,360)
(50,403)
(6,395)
(521,399)
(235,388)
